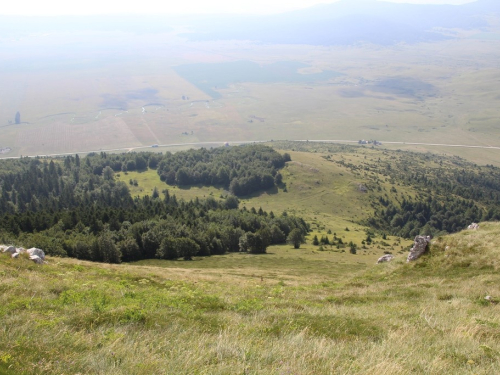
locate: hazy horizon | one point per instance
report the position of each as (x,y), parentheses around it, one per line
(350,70)
(94,7)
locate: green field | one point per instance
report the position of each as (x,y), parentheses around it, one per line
(286,312)
(444,92)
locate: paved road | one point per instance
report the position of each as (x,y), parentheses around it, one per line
(128,149)
(408,143)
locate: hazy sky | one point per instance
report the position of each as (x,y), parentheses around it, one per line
(66,7)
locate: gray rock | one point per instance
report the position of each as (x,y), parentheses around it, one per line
(36,259)
(15,255)
(474,226)
(385,258)
(37,252)
(9,249)
(420,246)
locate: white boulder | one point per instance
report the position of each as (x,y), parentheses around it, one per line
(385,258)
(37,252)
(9,249)
(36,259)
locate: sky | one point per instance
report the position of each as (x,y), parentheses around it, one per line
(86,7)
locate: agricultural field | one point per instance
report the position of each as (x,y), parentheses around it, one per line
(428,93)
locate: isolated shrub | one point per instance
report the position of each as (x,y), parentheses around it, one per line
(256,244)
(295,238)
(315,240)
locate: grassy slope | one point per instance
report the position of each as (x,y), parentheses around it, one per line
(288,312)
(323,193)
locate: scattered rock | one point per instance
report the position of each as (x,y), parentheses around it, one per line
(36,255)
(385,258)
(36,259)
(490,299)
(37,252)
(362,188)
(9,249)
(474,226)
(420,246)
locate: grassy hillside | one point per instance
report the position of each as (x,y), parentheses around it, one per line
(335,187)
(323,193)
(286,312)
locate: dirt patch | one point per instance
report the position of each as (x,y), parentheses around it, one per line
(307,166)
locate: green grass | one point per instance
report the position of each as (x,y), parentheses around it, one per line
(325,194)
(290,311)
(146,182)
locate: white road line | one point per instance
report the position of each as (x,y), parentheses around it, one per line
(129,149)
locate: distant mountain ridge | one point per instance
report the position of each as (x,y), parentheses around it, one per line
(345,22)
(348,22)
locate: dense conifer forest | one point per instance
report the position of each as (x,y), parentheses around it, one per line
(74,207)
(241,170)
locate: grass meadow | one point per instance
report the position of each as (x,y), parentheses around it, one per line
(286,312)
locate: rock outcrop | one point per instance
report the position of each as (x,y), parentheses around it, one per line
(474,226)
(9,249)
(36,255)
(420,246)
(385,258)
(37,252)
(36,259)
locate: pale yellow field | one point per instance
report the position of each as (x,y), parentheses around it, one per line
(66,107)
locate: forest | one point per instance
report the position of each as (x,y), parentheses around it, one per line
(429,194)
(74,207)
(240,170)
